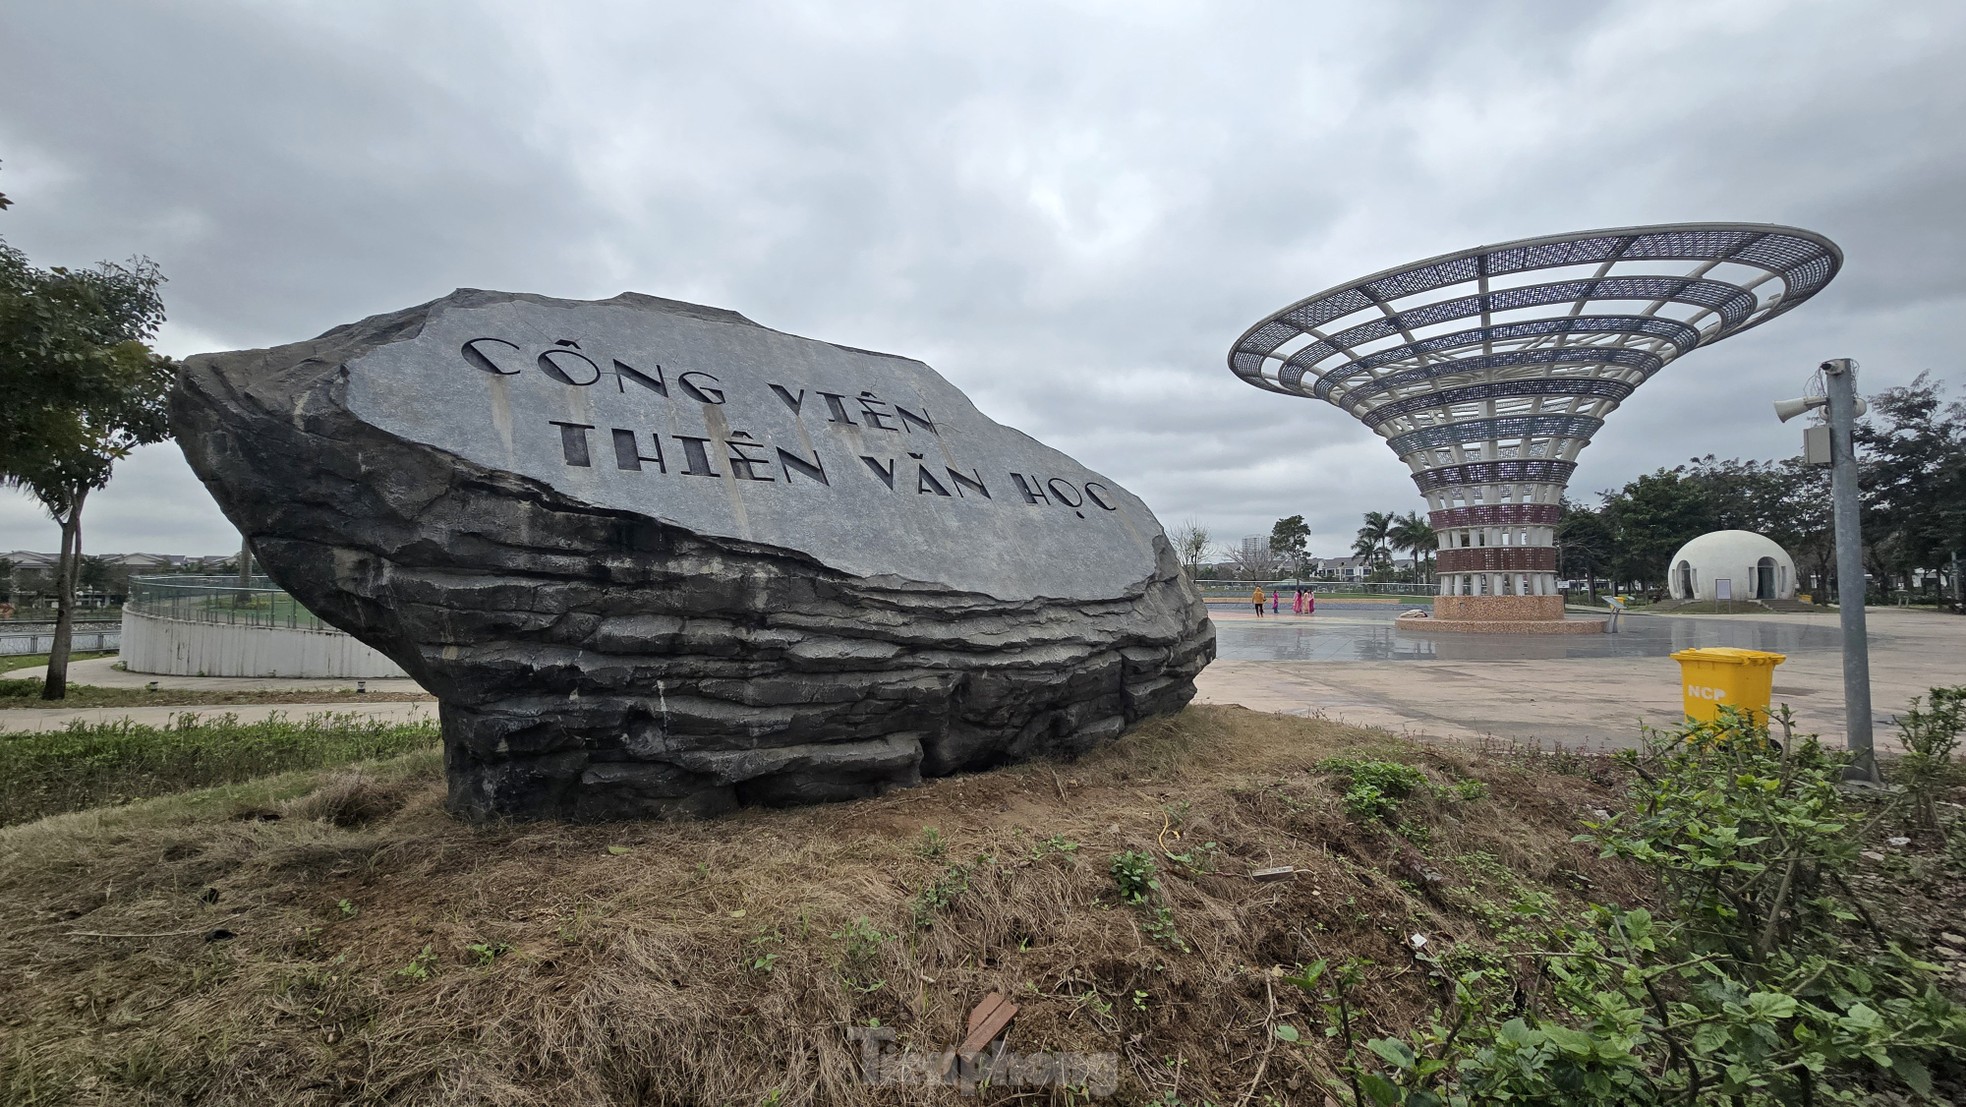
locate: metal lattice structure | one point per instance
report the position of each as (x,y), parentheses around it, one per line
(1488,370)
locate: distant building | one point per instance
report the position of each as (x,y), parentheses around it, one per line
(1353,570)
(30,575)
(1731,565)
(1341,568)
(145,563)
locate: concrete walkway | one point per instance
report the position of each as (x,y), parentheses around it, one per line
(1594,700)
(103,673)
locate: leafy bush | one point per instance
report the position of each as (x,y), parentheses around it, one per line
(1135,875)
(484,952)
(861,953)
(1373,789)
(931,847)
(420,968)
(1764,984)
(1133,872)
(1931,729)
(952,882)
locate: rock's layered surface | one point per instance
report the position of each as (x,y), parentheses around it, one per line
(653,558)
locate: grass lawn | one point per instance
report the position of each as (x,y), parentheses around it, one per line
(323,937)
(260,609)
(35,660)
(26,695)
(332,936)
(93,764)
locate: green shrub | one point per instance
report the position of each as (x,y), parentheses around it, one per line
(1931,729)
(931,846)
(1133,873)
(420,968)
(860,955)
(1758,987)
(953,881)
(1374,789)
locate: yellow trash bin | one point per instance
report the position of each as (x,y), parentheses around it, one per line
(1722,676)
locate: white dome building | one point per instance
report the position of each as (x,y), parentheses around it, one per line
(1731,565)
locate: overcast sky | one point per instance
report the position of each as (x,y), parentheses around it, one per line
(1069,209)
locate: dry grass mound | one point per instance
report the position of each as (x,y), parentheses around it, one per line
(334,937)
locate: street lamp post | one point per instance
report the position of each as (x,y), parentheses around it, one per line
(1842,405)
(1841,385)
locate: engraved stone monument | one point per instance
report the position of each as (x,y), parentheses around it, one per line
(656,559)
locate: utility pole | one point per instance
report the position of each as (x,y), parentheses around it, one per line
(244,597)
(1840,384)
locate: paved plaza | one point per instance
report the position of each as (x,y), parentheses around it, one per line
(1348,663)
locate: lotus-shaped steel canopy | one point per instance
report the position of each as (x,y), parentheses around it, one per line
(1488,370)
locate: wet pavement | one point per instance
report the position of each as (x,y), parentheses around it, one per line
(1349,663)
(1339,632)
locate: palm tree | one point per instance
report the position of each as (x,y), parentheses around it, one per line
(1416,536)
(1372,537)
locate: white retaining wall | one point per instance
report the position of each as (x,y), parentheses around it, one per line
(85,637)
(184,648)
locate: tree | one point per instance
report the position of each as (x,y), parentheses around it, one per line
(1190,544)
(1416,536)
(1761,496)
(94,573)
(1251,561)
(1914,478)
(1584,545)
(1811,527)
(1290,540)
(1651,518)
(1372,538)
(1640,526)
(1787,500)
(81,391)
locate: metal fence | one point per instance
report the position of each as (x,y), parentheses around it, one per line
(84,637)
(1238,590)
(220,599)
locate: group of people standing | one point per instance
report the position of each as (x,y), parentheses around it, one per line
(1304,604)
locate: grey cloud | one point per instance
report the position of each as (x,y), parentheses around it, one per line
(1070,210)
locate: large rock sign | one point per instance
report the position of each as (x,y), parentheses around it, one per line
(656,559)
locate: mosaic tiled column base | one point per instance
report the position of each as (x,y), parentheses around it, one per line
(1499,615)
